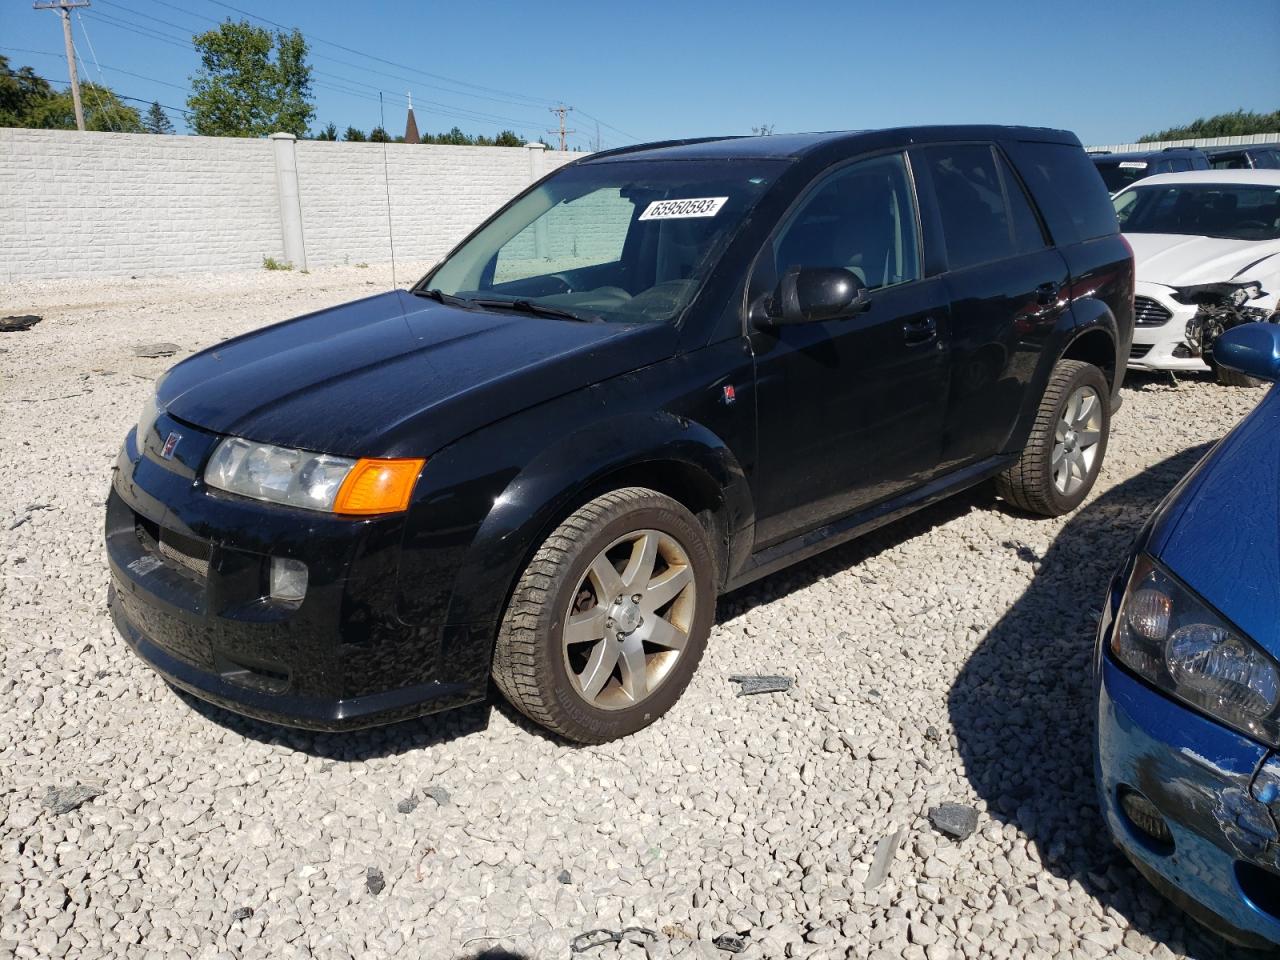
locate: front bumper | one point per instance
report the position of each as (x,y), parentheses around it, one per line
(1153,347)
(189,593)
(1223,866)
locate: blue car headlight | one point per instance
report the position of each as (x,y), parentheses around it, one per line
(1178,643)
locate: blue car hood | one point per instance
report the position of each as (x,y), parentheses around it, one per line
(397,375)
(1221,531)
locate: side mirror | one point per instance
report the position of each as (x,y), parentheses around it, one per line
(1252,349)
(816,293)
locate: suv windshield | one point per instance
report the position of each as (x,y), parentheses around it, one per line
(1118,174)
(625,241)
(1228,211)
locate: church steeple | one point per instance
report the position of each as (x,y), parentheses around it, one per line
(411,124)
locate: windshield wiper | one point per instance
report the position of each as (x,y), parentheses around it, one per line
(440,296)
(538,309)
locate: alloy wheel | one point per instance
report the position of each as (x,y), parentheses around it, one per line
(629,619)
(1076,439)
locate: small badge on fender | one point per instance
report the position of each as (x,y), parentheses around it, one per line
(170,445)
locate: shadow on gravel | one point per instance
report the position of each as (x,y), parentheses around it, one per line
(356,745)
(1022,710)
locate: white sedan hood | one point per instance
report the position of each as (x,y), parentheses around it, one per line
(1176,260)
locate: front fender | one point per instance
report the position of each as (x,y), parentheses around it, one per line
(573,468)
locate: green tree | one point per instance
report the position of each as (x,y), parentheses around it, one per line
(103,111)
(354,136)
(251,82)
(378,135)
(26,100)
(156,120)
(329,132)
(1238,123)
(20,91)
(508,138)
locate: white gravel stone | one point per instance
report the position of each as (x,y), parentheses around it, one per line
(943,658)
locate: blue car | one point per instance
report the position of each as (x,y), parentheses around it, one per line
(1188,677)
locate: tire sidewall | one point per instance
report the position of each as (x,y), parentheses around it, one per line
(1090,376)
(592,723)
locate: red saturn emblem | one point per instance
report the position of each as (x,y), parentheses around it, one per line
(170,445)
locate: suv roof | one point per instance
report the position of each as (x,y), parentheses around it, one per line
(1241,148)
(792,146)
(1144,154)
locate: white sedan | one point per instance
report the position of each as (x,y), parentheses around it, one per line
(1206,245)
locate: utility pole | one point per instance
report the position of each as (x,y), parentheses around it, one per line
(561,112)
(64,8)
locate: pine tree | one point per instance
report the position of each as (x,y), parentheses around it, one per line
(156,120)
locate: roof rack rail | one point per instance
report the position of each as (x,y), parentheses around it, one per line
(653,145)
(1093,152)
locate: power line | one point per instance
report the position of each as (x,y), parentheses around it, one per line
(538,101)
(448,110)
(524,102)
(119,96)
(101,67)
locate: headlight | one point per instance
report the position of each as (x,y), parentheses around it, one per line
(1171,638)
(313,481)
(146,420)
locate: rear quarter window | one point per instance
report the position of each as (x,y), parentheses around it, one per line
(1068,188)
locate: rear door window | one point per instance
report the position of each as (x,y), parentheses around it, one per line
(1069,188)
(985,214)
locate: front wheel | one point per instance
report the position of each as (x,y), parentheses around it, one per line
(1059,464)
(610,618)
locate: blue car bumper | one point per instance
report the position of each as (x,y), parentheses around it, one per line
(1223,864)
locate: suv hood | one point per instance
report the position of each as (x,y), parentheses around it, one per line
(397,375)
(1176,260)
(1221,530)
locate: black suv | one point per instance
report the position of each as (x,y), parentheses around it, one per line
(1121,169)
(1254,156)
(654,376)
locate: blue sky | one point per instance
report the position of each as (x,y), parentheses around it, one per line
(648,70)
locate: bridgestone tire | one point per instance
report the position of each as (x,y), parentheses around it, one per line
(529,661)
(1028,484)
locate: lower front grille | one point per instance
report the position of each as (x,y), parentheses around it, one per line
(1139,350)
(178,552)
(1149,313)
(187,553)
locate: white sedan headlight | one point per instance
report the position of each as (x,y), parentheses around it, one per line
(263,471)
(1174,640)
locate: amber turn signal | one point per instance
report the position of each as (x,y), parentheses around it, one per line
(378,486)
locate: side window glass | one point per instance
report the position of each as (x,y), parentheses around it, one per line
(977,225)
(861,218)
(1028,236)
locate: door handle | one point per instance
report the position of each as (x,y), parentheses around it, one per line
(1047,293)
(920,331)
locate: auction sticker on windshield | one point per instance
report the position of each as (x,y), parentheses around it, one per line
(682,209)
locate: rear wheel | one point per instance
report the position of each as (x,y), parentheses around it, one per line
(1063,455)
(610,618)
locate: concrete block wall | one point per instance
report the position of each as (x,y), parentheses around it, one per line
(84,204)
(102,204)
(438,195)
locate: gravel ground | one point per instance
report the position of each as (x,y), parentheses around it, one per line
(945,658)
